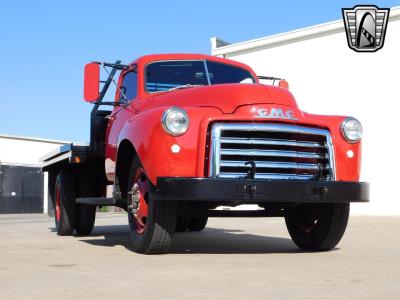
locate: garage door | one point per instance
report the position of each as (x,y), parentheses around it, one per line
(21,190)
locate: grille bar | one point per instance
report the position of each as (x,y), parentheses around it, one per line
(257,141)
(279,151)
(274,153)
(275,165)
(269,176)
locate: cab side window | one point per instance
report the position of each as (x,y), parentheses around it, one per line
(129,86)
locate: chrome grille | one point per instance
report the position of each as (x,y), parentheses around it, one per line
(279,151)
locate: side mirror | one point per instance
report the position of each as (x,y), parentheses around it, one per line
(91,82)
(283,84)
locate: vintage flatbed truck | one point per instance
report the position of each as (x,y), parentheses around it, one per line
(188,133)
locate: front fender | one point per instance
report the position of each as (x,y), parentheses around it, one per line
(347,167)
(153,144)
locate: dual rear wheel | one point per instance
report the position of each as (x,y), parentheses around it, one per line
(197,223)
(68,215)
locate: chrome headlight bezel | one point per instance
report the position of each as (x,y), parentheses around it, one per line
(167,126)
(344,128)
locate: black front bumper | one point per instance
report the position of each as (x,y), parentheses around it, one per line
(259,190)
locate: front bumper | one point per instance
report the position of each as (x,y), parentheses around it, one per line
(260,190)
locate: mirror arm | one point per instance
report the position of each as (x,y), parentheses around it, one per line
(113,103)
(99,102)
(117,65)
(269,78)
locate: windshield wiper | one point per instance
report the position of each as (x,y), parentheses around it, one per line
(184,86)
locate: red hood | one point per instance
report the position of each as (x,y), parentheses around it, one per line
(226,97)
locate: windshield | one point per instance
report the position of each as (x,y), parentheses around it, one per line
(167,75)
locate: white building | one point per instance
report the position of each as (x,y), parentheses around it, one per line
(327,77)
(23,187)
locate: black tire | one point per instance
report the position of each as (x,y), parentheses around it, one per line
(64,195)
(86,214)
(182,223)
(157,234)
(198,223)
(317,227)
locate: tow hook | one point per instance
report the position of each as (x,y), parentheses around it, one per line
(252,172)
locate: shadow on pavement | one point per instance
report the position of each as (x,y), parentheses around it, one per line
(208,241)
(225,241)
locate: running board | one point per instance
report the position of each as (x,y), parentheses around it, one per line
(96,201)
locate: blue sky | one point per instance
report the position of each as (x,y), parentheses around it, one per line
(45,44)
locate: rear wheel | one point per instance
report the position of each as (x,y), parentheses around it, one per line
(85,213)
(317,227)
(86,216)
(151,223)
(198,223)
(64,202)
(182,223)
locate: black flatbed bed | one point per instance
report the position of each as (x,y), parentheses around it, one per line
(68,153)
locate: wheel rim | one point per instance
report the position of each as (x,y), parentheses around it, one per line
(57,208)
(140,196)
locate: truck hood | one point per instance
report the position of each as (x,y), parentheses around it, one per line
(225,97)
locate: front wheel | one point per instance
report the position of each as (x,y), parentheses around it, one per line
(151,223)
(317,227)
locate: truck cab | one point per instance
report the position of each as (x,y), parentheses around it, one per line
(188,133)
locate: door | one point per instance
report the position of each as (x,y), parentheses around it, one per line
(32,190)
(118,118)
(21,189)
(11,189)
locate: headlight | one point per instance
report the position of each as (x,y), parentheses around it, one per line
(175,121)
(352,130)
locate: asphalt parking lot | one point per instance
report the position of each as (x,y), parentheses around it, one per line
(238,258)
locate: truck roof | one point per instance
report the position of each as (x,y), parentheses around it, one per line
(143,60)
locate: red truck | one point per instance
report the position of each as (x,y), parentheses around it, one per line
(188,133)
